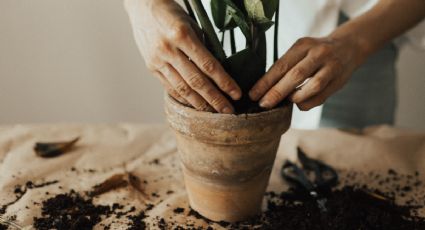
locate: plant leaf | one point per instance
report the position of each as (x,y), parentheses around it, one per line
(207,27)
(265,25)
(261,11)
(53,149)
(238,16)
(222,19)
(114,182)
(245,67)
(270,7)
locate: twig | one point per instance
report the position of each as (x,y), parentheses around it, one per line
(10,223)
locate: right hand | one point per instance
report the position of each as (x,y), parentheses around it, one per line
(168,40)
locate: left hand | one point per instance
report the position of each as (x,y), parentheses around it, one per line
(327,63)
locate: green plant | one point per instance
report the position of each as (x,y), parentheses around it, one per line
(253,18)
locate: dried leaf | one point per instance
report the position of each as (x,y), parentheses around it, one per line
(54,149)
(136,183)
(118,181)
(114,182)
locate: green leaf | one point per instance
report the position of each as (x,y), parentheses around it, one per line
(270,7)
(246,68)
(222,19)
(209,31)
(261,11)
(265,25)
(238,16)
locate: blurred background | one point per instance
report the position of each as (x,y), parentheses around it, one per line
(76,61)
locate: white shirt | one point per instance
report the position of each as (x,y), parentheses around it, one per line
(317,18)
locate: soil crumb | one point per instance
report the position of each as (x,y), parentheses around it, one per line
(70,211)
(349,207)
(3,227)
(137,222)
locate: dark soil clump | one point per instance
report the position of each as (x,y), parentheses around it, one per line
(70,211)
(137,222)
(349,208)
(3,227)
(20,191)
(178,210)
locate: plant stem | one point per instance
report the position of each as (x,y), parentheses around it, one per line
(189,10)
(276,34)
(232,41)
(208,28)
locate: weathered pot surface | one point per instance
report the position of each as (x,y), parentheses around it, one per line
(226,159)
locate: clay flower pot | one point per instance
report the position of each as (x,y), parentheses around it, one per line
(226,159)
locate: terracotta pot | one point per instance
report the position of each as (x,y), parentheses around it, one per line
(226,159)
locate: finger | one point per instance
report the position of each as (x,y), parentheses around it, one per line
(295,77)
(183,89)
(319,98)
(192,47)
(314,86)
(295,54)
(199,83)
(170,90)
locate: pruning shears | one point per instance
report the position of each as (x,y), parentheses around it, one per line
(325,177)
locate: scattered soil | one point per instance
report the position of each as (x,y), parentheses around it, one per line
(352,206)
(20,191)
(137,221)
(3,227)
(349,208)
(178,210)
(70,211)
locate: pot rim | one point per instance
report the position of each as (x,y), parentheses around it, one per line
(207,114)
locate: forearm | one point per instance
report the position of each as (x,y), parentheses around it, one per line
(387,20)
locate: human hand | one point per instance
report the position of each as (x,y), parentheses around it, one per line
(325,63)
(168,40)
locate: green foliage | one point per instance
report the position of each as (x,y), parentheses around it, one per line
(253,18)
(261,12)
(221,16)
(215,45)
(239,18)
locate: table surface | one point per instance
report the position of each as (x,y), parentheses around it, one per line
(106,150)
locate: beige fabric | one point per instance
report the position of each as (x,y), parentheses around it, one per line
(111,149)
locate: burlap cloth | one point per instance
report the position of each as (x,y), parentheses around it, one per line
(105,150)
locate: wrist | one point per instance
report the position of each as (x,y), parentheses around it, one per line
(358,48)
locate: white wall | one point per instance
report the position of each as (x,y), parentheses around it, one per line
(65,61)
(72,61)
(411,88)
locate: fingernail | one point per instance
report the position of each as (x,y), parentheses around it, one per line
(265,104)
(253,94)
(227,110)
(235,94)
